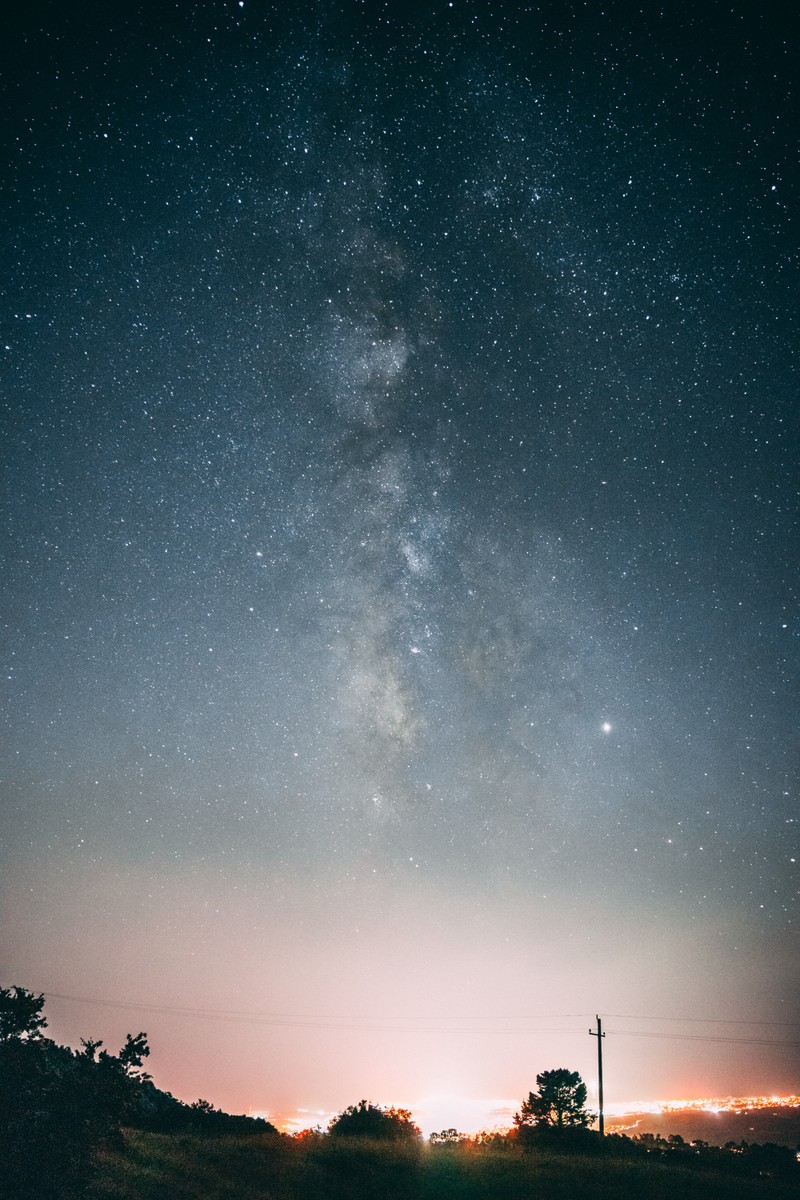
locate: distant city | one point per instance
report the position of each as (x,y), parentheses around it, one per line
(735,1104)
(716,1120)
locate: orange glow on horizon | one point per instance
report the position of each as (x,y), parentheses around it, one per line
(471,1116)
(713,1105)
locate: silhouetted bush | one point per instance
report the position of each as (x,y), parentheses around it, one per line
(60,1107)
(57,1107)
(365,1120)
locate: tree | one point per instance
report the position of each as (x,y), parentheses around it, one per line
(559,1103)
(58,1107)
(371,1121)
(448,1137)
(133,1054)
(310,1136)
(20,1014)
(114,1081)
(212,1122)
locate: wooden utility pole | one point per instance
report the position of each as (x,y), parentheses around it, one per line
(599,1035)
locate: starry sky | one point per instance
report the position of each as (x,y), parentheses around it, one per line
(400,540)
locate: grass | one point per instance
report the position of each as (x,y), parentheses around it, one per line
(169,1167)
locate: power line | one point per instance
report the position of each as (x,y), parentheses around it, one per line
(418,1025)
(310,1021)
(262,1014)
(707,1020)
(700,1037)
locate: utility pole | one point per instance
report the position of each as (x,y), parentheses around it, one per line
(599,1035)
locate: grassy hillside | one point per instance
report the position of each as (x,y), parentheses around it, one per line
(186,1167)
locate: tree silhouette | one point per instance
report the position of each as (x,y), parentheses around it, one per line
(20,1014)
(133,1054)
(57,1107)
(559,1103)
(448,1137)
(371,1121)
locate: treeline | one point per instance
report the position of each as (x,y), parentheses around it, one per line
(370,1123)
(342,1164)
(737,1158)
(743,1159)
(59,1107)
(66,1113)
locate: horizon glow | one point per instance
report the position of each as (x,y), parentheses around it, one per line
(471,1116)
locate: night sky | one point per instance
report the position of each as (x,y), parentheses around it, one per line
(400,537)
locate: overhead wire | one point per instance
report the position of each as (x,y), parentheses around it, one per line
(700,1037)
(437,1025)
(703,1020)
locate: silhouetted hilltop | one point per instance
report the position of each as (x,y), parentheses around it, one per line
(61,1108)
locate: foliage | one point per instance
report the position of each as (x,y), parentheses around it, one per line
(213,1122)
(189,1167)
(448,1137)
(63,1114)
(313,1134)
(57,1106)
(20,1014)
(559,1104)
(368,1120)
(766,1161)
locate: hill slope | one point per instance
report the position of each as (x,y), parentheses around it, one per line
(164,1167)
